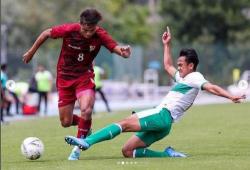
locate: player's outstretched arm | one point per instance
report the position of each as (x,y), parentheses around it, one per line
(168,63)
(39,41)
(217,90)
(123,51)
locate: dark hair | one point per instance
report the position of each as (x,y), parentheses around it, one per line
(90,16)
(4,67)
(190,56)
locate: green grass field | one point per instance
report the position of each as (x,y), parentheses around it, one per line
(215,137)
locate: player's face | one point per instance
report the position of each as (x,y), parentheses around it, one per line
(183,67)
(88,30)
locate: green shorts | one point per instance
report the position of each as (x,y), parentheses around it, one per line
(155,125)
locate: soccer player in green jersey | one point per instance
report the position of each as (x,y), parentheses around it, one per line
(154,124)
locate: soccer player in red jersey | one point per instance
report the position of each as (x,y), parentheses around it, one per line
(75,77)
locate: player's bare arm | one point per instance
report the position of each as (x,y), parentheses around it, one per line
(39,41)
(123,51)
(168,63)
(217,90)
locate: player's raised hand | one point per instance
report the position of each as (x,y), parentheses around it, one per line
(125,51)
(237,99)
(27,57)
(166,37)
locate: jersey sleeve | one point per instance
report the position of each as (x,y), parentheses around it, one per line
(60,31)
(198,80)
(106,39)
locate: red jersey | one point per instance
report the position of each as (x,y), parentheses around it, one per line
(78,53)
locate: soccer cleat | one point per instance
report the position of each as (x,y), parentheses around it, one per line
(81,143)
(172,153)
(74,155)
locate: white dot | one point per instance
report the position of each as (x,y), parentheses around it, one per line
(243,84)
(122,162)
(11,85)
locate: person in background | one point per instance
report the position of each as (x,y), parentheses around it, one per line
(99,72)
(33,83)
(2,104)
(7,95)
(44,82)
(4,101)
(236,75)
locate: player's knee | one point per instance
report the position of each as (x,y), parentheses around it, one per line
(87,112)
(66,123)
(127,152)
(124,124)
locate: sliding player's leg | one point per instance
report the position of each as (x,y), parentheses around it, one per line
(134,147)
(137,146)
(155,125)
(130,124)
(147,120)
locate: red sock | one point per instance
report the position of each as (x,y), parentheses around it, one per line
(83,127)
(75,120)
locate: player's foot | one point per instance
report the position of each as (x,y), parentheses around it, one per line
(172,153)
(74,155)
(81,143)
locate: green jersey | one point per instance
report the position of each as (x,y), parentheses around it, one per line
(43,79)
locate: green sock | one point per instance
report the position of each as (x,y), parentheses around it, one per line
(107,133)
(144,152)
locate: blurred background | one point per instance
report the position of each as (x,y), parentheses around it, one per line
(218,29)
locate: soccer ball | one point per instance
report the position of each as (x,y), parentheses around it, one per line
(32,148)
